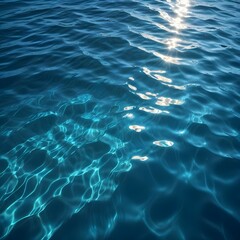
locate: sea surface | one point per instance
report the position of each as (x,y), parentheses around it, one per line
(120,120)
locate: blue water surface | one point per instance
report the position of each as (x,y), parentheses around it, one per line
(120,119)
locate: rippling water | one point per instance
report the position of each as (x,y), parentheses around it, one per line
(119,119)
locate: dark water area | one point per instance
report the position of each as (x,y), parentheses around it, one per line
(120,120)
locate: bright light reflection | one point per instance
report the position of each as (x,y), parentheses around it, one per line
(180,8)
(156,75)
(143,96)
(151,94)
(163,101)
(136,128)
(176,87)
(128,108)
(140,158)
(152,110)
(163,143)
(132,87)
(162,78)
(172,42)
(166,58)
(128,115)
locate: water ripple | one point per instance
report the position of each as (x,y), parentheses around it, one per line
(119,115)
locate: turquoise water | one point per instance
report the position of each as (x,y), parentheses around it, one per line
(119,119)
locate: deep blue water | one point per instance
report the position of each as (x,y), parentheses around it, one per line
(120,119)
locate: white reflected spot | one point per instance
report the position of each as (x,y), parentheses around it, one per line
(165,58)
(163,101)
(151,94)
(163,143)
(172,43)
(148,71)
(128,108)
(143,96)
(176,87)
(144,158)
(152,110)
(136,128)
(162,78)
(132,87)
(129,115)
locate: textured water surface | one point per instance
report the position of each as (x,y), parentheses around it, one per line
(119,119)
